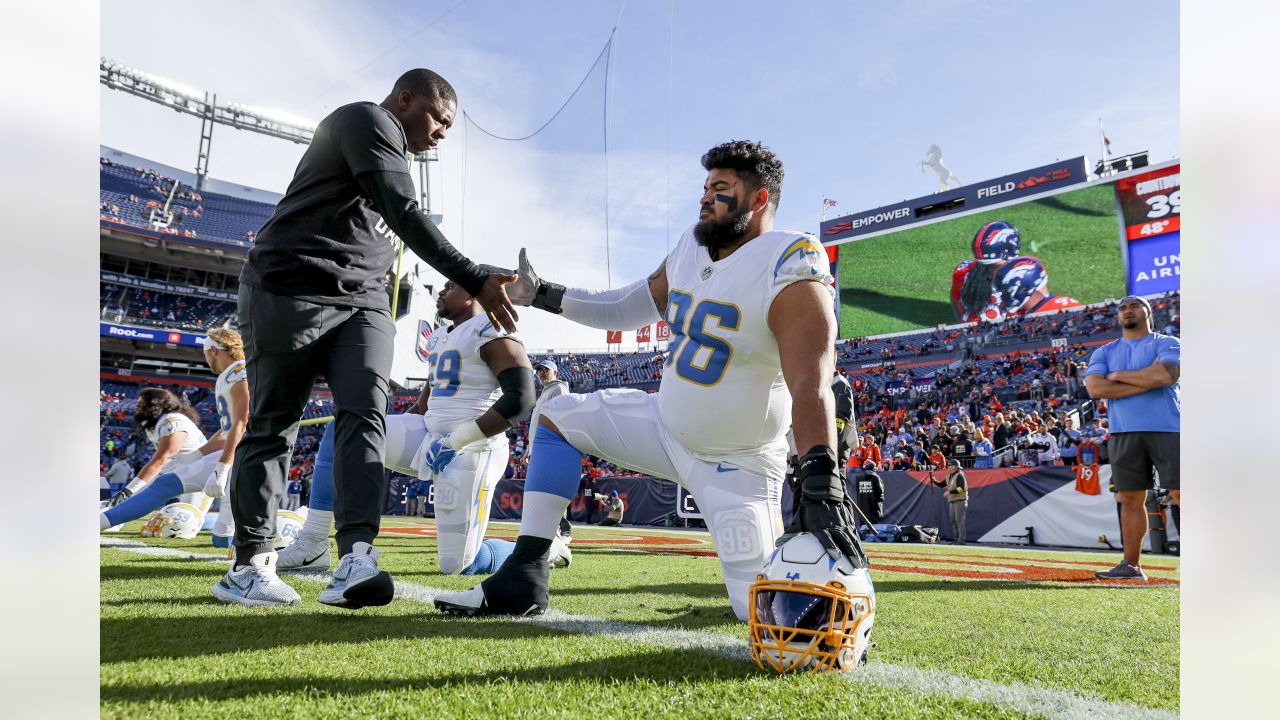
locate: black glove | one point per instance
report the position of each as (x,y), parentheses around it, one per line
(823,508)
(120,497)
(530,289)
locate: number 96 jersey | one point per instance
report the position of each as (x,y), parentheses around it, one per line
(462,385)
(722,389)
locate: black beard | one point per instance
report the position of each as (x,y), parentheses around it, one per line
(717,234)
(1132,324)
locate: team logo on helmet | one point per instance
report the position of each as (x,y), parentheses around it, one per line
(996,241)
(1018,280)
(810,612)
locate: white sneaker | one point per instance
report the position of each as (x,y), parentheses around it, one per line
(255,584)
(358,582)
(560,556)
(305,554)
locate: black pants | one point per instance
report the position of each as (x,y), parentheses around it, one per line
(288,342)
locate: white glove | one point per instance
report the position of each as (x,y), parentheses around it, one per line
(216,485)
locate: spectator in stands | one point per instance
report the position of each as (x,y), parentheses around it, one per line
(1138,375)
(1044,444)
(119,474)
(293,497)
(983,453)
(1068,442)
(867,452)
(957,495)
(312,300)
(936,459)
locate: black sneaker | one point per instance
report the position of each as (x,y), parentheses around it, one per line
(1123,571)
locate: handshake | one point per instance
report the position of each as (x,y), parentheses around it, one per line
(505,289)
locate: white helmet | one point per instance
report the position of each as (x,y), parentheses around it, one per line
(288,526)
(810,611)
(175,520)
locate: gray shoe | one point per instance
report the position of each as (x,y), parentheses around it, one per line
(358,582)
(1123,571)
(255,584)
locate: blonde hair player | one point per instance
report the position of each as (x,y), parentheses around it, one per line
(201,469)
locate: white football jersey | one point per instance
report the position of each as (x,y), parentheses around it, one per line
(462,385)
(177,422)
(722,391)
(233,374)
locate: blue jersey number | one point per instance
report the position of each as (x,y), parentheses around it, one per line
(445,369)
(690,336)
(224,414)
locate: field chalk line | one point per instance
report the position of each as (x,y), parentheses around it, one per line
(1043,702)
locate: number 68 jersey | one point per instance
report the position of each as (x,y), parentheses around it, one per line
(722,390)
(462,385)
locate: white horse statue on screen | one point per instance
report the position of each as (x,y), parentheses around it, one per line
(933,161)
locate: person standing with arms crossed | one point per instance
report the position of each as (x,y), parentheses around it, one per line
(313,302)
(1139,377)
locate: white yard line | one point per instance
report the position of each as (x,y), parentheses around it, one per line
(1043,702)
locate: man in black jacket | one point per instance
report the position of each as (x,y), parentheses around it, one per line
(313,302)
(871,493)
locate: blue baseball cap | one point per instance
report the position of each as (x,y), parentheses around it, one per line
(548,364)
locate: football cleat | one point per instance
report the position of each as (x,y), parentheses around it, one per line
(304,555)
(810,612)
(175,520)
(358,582)
(518,588)
(561,557)
(255,584)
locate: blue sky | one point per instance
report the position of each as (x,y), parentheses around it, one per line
(848,94)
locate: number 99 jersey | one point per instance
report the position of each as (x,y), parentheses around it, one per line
(462,385)
(722,389)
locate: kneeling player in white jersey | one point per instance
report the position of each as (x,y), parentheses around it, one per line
(199,473)
(750,310)
(479,382)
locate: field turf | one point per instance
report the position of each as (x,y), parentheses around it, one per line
(902,281)
(639,627)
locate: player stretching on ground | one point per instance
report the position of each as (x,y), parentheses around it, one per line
(751,352)
(479,382)
(203,467)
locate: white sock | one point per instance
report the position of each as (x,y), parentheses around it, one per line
(317,525)
(541,514)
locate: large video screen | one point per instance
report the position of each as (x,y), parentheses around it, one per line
(1037,256)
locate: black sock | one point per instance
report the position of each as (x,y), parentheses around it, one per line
(244,553)
(530,548)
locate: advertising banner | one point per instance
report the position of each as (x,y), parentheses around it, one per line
(155,335)
(969,197)
(168,287)
(1151,211)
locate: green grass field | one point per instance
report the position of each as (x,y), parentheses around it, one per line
(902,281)
(632,633)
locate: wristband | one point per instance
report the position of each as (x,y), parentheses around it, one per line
(464,435)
